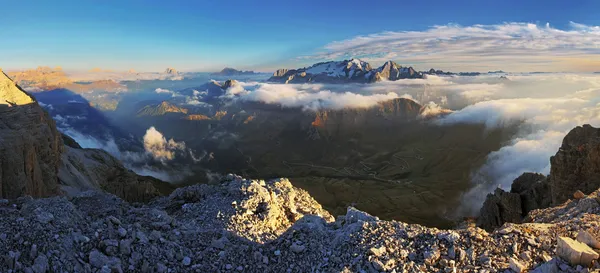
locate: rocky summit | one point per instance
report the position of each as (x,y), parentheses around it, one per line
(243,225)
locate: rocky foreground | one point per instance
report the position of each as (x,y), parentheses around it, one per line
(245,225)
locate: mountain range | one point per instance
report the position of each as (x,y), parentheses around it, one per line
(228,71)
(346,71)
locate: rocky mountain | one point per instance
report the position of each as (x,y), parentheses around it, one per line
(171,71)
(573,168)
(346,71)
(30,146)
(228,71)
(386,113)
(161,109)
(35,162)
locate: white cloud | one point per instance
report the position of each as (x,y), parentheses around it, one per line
(158,146)
(306,96)
(513,46)
(163,91)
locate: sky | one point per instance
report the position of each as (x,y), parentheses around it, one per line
(148,35)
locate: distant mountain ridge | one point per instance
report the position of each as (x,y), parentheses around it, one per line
(346,71)
(228,71)
(161,109)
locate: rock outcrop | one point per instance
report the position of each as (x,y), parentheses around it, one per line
(498,208)
(30,145)
(347,71)
(576,166)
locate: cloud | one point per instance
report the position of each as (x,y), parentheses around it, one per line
(163,91)
(542,115)
(158,146)
(514,46)
(307,96)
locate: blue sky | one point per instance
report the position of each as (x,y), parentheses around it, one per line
(261,35)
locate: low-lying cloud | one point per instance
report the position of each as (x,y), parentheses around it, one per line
(307,96)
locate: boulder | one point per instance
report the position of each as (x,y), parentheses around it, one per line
(498,208)
(574,252)
(587,238)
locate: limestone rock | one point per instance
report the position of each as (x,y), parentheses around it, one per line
(516,266)
(574,252)
(587,238)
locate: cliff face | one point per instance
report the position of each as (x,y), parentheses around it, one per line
(576,166)
(35,162)
(388,112)
(30,145)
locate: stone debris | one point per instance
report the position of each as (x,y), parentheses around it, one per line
(275,227)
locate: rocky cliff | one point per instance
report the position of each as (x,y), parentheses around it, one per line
(30,145)
(35,162)
(391,111)
(575,167)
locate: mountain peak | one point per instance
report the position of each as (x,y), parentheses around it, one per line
(161,109)
(171,70)
(11,93)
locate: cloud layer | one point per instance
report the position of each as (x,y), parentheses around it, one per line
(515,47)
